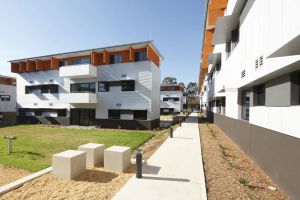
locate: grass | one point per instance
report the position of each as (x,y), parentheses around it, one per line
(35,145)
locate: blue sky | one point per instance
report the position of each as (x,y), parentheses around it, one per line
(35,28)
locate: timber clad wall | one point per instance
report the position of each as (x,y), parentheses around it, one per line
(215,9)
(97,59)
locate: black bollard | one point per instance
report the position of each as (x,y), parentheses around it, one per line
(171,132)
(139,163)
(180,123)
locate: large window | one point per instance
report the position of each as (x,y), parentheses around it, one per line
(259,95)
(78,61)
(128,85)
(114,114)
(140,55)
(103,86)
(43,112)
(41,89)
(49,88)
(83,87)
(5,97)
(140,114)
(114,59)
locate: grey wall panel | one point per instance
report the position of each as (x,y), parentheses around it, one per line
(276,153)
(278,91)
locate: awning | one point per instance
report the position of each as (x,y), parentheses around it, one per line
(291,48)
(225,25)
(214,60)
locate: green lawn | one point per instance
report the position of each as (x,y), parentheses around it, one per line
(35,144)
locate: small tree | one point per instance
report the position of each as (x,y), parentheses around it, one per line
(182,86)
(192,89)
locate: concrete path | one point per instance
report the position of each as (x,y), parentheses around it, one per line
(174,171)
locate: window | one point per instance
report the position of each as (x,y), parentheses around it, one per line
(41,89)
(245,105)
(85,61)
(53,88)
(140,55)
(49,88)
(83,87)
(128,85)
(5,97)
(103,86)
(114,114)
(140,114)
(75,62)
(295,88)
(114,59)
(165,99)
(259,95)
(176,99)
(62,63)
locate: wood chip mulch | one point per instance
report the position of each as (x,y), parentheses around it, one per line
(229,172)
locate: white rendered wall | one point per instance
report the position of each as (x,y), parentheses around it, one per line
(8,106)
(145,97)
(177,105)
(281,119)
(268,26)
(42,100)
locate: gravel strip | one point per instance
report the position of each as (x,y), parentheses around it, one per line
(8,175)
(229,172)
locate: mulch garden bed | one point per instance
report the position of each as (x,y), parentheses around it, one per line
(229,172)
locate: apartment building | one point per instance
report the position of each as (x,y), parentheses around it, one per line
(250,81)
(7,100)
(109,87)
(171,99)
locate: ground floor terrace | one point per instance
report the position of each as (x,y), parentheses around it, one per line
(116,118)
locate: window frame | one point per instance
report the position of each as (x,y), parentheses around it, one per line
(113,59)
(140,56)
(110,111)
(136,112)
(125,88)
(88,90)
(106,86)
(5,98)
(259,94)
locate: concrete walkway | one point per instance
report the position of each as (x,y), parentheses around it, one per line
(174,171)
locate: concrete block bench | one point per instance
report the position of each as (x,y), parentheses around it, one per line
(68,164)
(117,158)
(94,153)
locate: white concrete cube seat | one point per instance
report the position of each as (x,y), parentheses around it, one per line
(117,158)
(94,153)
(68,164)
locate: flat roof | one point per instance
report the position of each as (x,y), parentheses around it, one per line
(87,51)
(4,76)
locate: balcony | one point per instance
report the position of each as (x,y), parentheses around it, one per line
(78,71)
(78,98)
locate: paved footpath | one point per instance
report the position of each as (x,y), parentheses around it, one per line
(174,171)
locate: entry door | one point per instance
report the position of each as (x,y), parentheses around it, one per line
(83,117)
(75,116)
